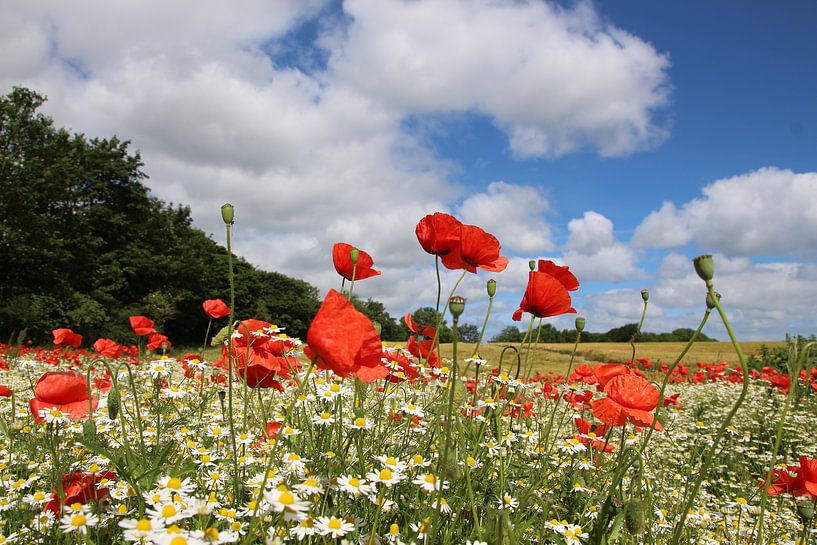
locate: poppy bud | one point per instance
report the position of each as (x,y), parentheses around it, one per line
(89,429)
(354,254)
(710,301)
(491,287)
(580,322)
(805,511)
(114,402)
(634,517)
(645,294)
(228,213)
(377,327)
(705,267)
(532,264)
(456,305)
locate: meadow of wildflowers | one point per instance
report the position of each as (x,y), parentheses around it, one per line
(344,439)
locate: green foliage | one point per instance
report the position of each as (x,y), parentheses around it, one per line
(778,357)
(468,333)
(509,334)
(376,311)
(84,245)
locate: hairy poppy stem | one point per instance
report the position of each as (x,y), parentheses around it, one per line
(484,325)
(710,454)
(230,361)
(638,329)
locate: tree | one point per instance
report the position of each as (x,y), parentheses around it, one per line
(509,334)
(84,245)
(390,330)
(468,333)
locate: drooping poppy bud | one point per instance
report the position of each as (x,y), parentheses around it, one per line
(705,267)
(491,287)
(228,213)
(114,403)
(634,517)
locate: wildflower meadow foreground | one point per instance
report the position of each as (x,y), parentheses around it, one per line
(341,438)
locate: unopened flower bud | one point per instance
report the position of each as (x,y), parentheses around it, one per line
(645,294)
(89,429)
(114,403)
(634,517)
(221,395)
(580,322)
(354,254)
(805,511)
(532,264)
(456,305)
(228,213)
(491,287)
(710,301)
(377,327)
(705,267)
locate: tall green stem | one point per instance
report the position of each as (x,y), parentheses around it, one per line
(230,362)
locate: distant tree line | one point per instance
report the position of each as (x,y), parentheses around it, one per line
(83,244)
(550,334)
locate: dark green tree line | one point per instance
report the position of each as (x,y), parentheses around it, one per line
(84,245)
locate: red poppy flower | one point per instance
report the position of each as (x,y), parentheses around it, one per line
(157,341)
(545,296)
(343,262)
(584,374)
(141,325)
(587,435)
(345,341)
(64,390)
(606,371)
(476,249)
(215,308)
(559,272)
(109,348)
(798,480)
(4,391)
(80,487)
(260,354)
(66,337)
(630,398)
(439,233)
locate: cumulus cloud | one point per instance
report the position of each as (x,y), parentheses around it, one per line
(554,79)
(593,252)
(770,211)
(762,300)
(512,213)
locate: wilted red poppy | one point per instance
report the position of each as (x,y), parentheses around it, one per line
(157,341)
(66,337)
(109,348)
(439,233)
(342,258)
(545,296)
(80,487)
(215,308)
(141,325)
(630,398)
(345,341)
(476,249)
(4,391)
(64,390)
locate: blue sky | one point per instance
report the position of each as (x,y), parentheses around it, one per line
(619,138)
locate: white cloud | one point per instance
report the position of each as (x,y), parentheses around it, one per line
(554,79)
(512,213)
(770,211)
(593,253)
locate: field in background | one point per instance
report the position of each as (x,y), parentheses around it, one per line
(556,356)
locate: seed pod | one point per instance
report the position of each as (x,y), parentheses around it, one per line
(704,267)
(89,429)
(491,287)
(114,403)
(228,213)
(634,517)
